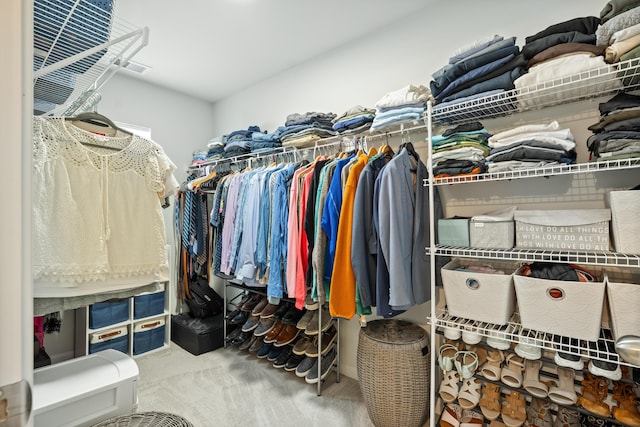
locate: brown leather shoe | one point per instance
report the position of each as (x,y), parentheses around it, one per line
(288,334)
(250,305)
(260,306)
(273,333)
(268,310)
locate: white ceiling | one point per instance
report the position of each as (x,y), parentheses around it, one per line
(212,48)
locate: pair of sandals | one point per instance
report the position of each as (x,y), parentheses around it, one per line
(455,416)
(513,412)
(561,391)
(465,362)
(508,370)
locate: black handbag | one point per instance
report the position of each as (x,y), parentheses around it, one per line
(202,300)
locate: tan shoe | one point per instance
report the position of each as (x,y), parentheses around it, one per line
(594,390)
(627,410)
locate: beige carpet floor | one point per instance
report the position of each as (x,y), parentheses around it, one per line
(227,387)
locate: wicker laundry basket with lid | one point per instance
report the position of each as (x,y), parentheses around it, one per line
(146,419)
(393,369)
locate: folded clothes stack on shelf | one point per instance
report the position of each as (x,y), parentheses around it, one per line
(355,120)
(404,104)
(531,146)
(215,148)
(619,31)
(239,141)
(617,133)
(483,68)
(563,51)
(460,150)
(263,142)
(304,130)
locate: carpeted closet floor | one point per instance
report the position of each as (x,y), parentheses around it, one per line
(226,387)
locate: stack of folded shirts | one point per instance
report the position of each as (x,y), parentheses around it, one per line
(355,120)
(262,142)
(531,146)
(215,148)
(561,50)
(619,32)
(405,104)
(304,130)
(198,157)
(460,150)
(239,141)
(485,67)
(617,134)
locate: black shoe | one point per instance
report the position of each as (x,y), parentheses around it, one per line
(240,318)
(293,361)
(233,335)
(292,315)
(245,345)
(325,367)
(282,310)
(284,356)
(241,338)
(230,315)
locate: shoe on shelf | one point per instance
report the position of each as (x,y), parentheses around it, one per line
(564,391)
(251,304)
(240,318)
(447,354)
(264,350)
(313,328)
(244,336)
(569,359)
(511,373)
(245,297)
(471,419)
(304,320)
(311,304)
(470,335)
(466,363)
(274,332)
(326,362)
(274,353)
(282,310)
(532,382)
(492,369)
(246,344)
(233,335)
(230,315)
(448,390)
(301,346)
(539,413)
(452,334)
(251,323)
(566,418)
(293,315)
(260,306)
(305,366)
(451,415)
(627,410)
(469,394)
(514,409)
(257,345)
(490,401)
(287,335)
(283,357)
(498,340)
(264,327)
(293,361)
(594,390)
(268,311)
(328,338)
(529,348)
(604,368)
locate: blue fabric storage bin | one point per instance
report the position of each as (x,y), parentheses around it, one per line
(117,339)
(107,313)
(148,336)
(88,26)
(148,305)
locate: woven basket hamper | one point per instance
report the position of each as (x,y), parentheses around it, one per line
(393,369)
(146,419)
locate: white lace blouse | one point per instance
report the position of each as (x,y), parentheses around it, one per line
(97,215)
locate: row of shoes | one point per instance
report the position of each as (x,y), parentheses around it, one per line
(513,414)
(530,348)
(285,336)
(460,363)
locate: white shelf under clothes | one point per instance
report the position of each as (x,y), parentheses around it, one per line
(78,46)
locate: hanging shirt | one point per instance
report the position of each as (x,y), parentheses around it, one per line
(97,216)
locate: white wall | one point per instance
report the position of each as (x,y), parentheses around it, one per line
(404,53)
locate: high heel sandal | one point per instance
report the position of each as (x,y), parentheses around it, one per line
(491,369)
(511,374)
(466,363)
(564,393)
(531,381)
(446,356)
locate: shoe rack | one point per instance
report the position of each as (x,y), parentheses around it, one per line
(568,99)
(330,351)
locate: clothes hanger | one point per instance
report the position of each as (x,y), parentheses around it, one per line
(97,119)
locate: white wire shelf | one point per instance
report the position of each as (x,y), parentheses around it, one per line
(78,46)
(589,258)
(540,172)
(600,81)
(513,331)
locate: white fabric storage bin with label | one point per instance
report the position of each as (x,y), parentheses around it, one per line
(623,295)
(568,308)
(475,289)
(493,230)
(571,229)
(625,206)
